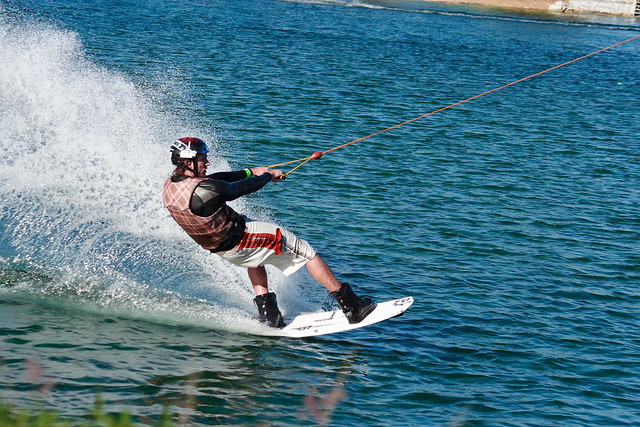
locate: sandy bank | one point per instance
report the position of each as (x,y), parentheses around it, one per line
(613,7)
(511,4)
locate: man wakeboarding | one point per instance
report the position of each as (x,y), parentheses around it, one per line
(198,203)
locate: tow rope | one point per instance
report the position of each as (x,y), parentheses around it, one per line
(319,154)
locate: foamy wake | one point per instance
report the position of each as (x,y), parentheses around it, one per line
(84,156)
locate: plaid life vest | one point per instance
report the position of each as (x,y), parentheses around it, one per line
(211,232)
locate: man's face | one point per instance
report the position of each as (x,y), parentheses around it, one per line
(201,163)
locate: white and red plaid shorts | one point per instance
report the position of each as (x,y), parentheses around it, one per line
(264,243)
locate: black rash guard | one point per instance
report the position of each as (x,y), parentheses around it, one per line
(220,188)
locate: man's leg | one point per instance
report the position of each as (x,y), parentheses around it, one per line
(265,301)
(258,277)
(354,307)
(322,274)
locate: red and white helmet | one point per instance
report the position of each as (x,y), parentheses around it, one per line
(187,149)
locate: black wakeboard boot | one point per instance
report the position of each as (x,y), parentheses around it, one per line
(268,310)
(355,308)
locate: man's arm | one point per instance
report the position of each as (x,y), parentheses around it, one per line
(212,193)
(232,190)
(231,176)
(276,174)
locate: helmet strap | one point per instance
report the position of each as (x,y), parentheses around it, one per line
(193,170)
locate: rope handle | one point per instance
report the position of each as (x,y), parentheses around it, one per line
(315,155)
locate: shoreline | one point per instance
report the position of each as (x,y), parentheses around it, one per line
(504,4)
(611,7)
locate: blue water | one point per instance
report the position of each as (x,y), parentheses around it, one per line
(513,219)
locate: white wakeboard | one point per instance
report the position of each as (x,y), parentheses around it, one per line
(330,322)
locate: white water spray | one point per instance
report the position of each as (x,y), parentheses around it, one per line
(84,157)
